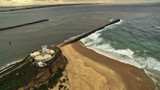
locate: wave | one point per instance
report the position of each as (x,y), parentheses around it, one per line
(11,63)
(156,27)
(148,63)
(98,44)
(125,56)
(103,47)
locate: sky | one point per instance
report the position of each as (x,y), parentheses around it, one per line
(42,2)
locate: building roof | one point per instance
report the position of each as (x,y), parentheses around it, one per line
(51,51)
(35,53)
(40,57)
(41,64)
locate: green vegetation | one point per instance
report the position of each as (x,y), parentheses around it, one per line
(60,86)
(19,77)
(56,49)
(58,52)
(52,82)
(16,65)
(21,73)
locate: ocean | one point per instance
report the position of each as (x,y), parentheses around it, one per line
(135,40)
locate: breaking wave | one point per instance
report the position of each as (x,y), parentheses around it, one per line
(11,63)
(101,46)
(98,44)
(156,27)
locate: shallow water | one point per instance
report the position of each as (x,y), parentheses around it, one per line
(116,42)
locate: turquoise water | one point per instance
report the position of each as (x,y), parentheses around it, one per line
(135,40)
(129,44)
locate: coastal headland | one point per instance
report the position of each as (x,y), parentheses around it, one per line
(26,74)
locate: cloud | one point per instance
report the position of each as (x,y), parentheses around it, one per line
(40,2)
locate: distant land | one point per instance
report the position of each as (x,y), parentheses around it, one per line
(37,6)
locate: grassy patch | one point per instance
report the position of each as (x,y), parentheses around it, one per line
(53,81)
(58,52)
(19,77)
(23,75)
(16,65)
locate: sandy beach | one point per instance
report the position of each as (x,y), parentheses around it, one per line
(88,70)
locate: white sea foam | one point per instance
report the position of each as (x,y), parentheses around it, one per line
(112,26)
(95,42)
(148,63)
(10,64)
(98,44)
(116,56)
(126,52)
(157,27)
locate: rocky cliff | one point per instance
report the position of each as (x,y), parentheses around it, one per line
(46,73)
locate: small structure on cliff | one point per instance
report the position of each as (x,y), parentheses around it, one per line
(42,56)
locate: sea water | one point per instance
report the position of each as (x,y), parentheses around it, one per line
(135,40)
(128,42)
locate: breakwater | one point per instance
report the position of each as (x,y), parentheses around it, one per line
(16,26)
(78,37)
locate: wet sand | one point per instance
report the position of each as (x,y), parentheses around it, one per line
(88,70)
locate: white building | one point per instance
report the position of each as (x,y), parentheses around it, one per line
(34,54)
(41,64)
(45,50)
(51,52)
(44,56)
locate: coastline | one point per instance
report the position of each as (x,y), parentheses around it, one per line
(42,6)
(89,70)
(114,75)
(77,38)
(9,65)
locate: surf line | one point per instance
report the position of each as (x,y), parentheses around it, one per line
(25,24)
(78,37)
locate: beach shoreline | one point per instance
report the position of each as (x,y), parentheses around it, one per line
(119,76)
(9,65)
(89,69)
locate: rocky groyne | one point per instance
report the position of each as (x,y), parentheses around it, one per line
(16,26)
(76,38)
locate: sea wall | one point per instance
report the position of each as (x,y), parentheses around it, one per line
(76,38)
(16,26)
